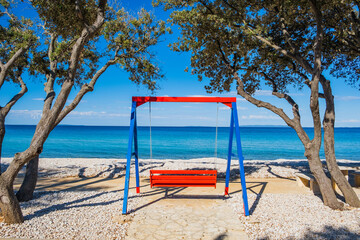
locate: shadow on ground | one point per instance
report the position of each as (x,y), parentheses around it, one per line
(327,233)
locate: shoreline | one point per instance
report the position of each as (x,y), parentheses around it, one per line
(114,168)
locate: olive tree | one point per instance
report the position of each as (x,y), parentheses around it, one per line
(77,33)
(280,44)
(17,40)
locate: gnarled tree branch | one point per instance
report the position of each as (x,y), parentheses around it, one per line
(84,89)
(9,64)
(86,33)
(5,110)
(51,76)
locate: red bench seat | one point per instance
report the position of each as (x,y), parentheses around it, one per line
(183,178)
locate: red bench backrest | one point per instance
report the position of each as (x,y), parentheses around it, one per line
(183,178)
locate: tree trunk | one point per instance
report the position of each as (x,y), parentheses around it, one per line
(2,134)
(349,194)
(324,182)
(312,148)
(26,191)
(8,202)
(9,205)
(329,146)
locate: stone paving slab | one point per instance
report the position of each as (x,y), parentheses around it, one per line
(185,215)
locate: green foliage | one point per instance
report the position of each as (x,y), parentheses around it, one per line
(127,38)
(4,3)
(15,34)
(223,37)
(64,21)
(66,18)
(130,38)
(344,40)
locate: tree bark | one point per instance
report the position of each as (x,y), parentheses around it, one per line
(2,134)
(329,146)
(8,202)
(27,188)
(324,182)
(9,205)
(313,148)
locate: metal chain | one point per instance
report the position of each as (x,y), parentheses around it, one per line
(216,134)
(150,131)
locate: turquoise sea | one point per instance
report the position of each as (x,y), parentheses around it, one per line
(260,143)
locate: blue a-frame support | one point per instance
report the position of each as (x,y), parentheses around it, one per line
(234,123)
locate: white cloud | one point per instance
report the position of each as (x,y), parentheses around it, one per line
(260,117)
(117,115)
(97,114)
(203,118)
(197,96)
(152,108)
(187,117)
(296,94)
(269,93)
(89,113)
(263,93)
(38,99)
(349,121)
(347,98)
(227,108)
(34,114)
(159,117)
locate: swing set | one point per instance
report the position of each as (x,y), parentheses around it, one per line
(184,178)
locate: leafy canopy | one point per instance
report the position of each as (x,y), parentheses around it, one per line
(130,39)
(15,33)
(229,35)
(127,39)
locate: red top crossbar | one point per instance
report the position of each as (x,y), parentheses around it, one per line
(225,100)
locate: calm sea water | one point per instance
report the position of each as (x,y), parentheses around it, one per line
(261,143)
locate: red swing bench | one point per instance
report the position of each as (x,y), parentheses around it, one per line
(183,178)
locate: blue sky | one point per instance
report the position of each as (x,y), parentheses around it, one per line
(109,104)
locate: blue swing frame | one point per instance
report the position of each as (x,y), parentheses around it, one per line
(234,125)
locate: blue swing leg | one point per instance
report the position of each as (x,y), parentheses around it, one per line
(136,156)
(229,154)
(241,160)
(128,157)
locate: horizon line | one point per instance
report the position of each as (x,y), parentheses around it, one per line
(81,125)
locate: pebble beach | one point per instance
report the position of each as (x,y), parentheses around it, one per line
(114,168)
(90,214)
